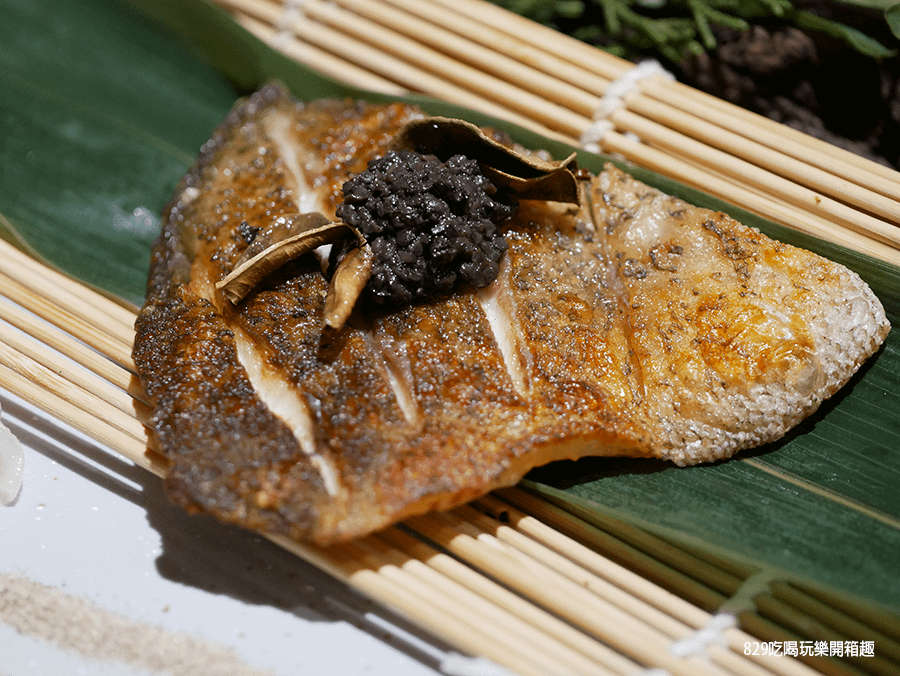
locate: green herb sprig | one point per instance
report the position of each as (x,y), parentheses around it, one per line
(676,29)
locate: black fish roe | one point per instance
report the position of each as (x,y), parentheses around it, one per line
(431,225)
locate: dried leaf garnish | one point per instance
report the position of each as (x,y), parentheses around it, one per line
(529,176)
(280,229)
(247,274)
(350,278)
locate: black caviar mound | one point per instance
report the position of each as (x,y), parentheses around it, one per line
(431,225)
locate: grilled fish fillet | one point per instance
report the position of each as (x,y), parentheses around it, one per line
(634,325)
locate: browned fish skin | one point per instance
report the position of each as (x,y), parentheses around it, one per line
(227,449)
(737,337)
(646,328)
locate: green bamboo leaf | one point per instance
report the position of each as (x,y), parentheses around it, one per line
(103,110)
(101,115)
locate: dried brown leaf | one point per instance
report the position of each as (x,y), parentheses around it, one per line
(247,274)
(528,175)
(280,229)
(350,278)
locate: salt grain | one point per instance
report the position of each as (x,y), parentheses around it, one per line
(73,623)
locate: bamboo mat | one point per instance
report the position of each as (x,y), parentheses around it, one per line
(537,589)
(478,55)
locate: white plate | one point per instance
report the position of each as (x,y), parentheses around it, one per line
(103,563)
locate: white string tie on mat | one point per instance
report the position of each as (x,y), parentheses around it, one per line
(710,634)
(614,98)
(291,12)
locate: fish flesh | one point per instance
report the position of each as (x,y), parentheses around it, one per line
(629,324)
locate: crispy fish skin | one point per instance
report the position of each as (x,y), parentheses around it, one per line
(227,449)
(639,326)
(736,337)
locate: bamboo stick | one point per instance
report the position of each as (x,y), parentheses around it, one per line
(87,330)
(318,59)
(648,613)
(694,589)
(651,615)
(883,622)
(496,623)
(636,585)
(84,400)
(420,57)
(342,563)
(553,41)
(779,210)
(785,599)
(486,59)
(553,591)
(670,554)
(630,582)
(770,614)
(656,572)
(486,588)
(795,619)
(501,42)
(95,362)
(49,283)
(405,73)
(73,416)
(799,172)
(758,177)
(549,114)
(777,136)
(14,343)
